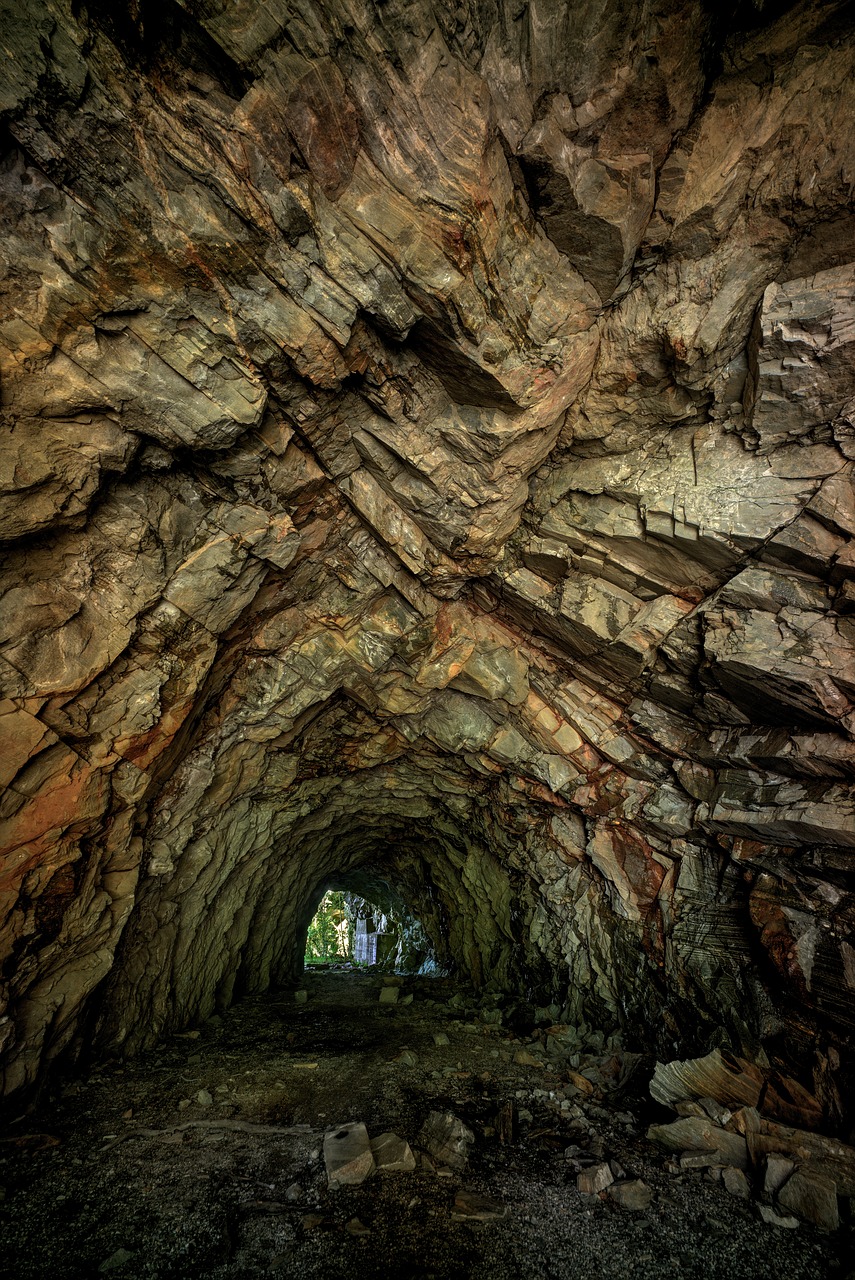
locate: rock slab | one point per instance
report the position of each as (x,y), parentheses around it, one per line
(347,1155)
(811,1197)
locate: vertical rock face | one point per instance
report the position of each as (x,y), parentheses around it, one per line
(426,455)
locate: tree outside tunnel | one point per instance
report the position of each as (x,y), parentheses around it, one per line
(330,933)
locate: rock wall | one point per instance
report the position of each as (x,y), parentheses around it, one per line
(426,454)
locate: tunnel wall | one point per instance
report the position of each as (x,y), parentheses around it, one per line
(427,442)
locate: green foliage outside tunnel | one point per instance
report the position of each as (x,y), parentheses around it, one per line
(330,934)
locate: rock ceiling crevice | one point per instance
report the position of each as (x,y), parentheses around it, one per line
(427,454)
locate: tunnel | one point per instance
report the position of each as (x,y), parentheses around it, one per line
(427,445)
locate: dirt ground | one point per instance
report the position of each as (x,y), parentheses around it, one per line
(204,1158)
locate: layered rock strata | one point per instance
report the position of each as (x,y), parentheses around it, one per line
(427,451)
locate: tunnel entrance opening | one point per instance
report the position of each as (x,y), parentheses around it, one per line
(363,922)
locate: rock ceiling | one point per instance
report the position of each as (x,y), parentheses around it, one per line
(427,454)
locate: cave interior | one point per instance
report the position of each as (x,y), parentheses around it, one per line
(427,446)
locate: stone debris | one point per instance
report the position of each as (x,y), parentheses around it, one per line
(506,1123)
(355,1227)
(701,1159)
(392,1154)
(777,1219)
(815,1151)
(776,1170)
(204,1098)
(699,1134)
(300,997)
(580,1082)
(723,1080)
(523,1058)
(406,1058)
(446,1139)
(388,995)
(591,1181)
(347,1155)
(473,1206)
(635,1195)
(799,1171)
(528,1182)
(812,1197)
(440,1039)
(736,1183)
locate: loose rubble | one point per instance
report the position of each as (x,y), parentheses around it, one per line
(468,1159)
(802,1181)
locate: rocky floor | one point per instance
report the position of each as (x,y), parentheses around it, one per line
(205,1157)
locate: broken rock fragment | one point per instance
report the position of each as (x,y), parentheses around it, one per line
(722,1080)
(635,1196)
(774,1219)
(696,1133)
(736,1183)
(594,1180)
(446,1139)
(392,1154)
(828,1156)
(347,1155)
(777,1170)
(812,1197)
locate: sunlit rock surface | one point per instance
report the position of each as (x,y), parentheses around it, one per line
(426,454)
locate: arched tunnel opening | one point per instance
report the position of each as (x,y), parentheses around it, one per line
(375,926)
(426,478)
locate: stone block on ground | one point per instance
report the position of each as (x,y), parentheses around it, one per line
(635,1195)
(701,1160)
(446,1139)
(347,1155)
(357,1228)
(812,1197)
(591,1181)
(116,1261)
(392,1154)
(389,995)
